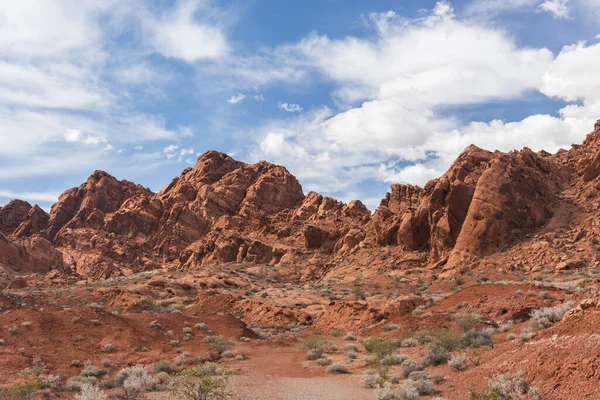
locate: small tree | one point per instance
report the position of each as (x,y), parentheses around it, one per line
(205,382)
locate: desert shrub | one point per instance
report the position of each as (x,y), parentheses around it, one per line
(155,324)
(352,355)
(417,375)
(218,344)
(436,355)
(184,359)
(425,387)
(228,354)
(509,386)
(525,335)
(546,295)
(371,379)
(379,347)
(391,327)
(511,336)
(107,384)
(393,359)
(450,340)
(351,336)
(351,347)
(162,366)
(106,363)
(37,368)
(76,383)
(466,322)
(422,336)
(92,370)
(409,366)
(385,393)
(407,391)
(49,381)
(319,344)
(478,338)
(138,380)
(136,370)
(91,392)
(337,369)
(410,342)
(19,391)
(162,378)
(505,327)
(547,316)
(109,348)
(312,355)
(336,332)
(458,361)
(462,304)
(324,361)
(202,383)
(201,326)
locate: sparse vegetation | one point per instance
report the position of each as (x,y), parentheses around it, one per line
(459,361)
(337,369)
(545,317)
(509,386)
(205,382)
(91,392)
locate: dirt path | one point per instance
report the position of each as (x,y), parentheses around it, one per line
(283,374)
(252,387)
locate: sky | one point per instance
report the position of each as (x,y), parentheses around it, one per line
(351,96)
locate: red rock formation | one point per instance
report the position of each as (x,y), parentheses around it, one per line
(223,210)
(36,221)
(12,215)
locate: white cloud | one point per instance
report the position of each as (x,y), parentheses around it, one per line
(76,136)
(558,8)
(138,148)
(170,148)
(415,69)
(438,60)
(185,152)
(47,197)
(236,98)
(180,35)
(289,107)
(48,28)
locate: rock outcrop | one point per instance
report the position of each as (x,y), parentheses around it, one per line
(223,210)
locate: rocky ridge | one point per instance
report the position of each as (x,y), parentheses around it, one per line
(223,210)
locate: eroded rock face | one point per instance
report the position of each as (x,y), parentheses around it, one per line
(37,221)
(223,210)
(514,195)
(12,215)
(87,205)
(28,255)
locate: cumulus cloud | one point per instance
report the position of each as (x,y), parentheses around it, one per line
(236,98)
(76,136)
(394,126)
(558,8)
(180,35)
(292,108)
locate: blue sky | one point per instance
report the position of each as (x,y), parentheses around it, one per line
(350,96)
